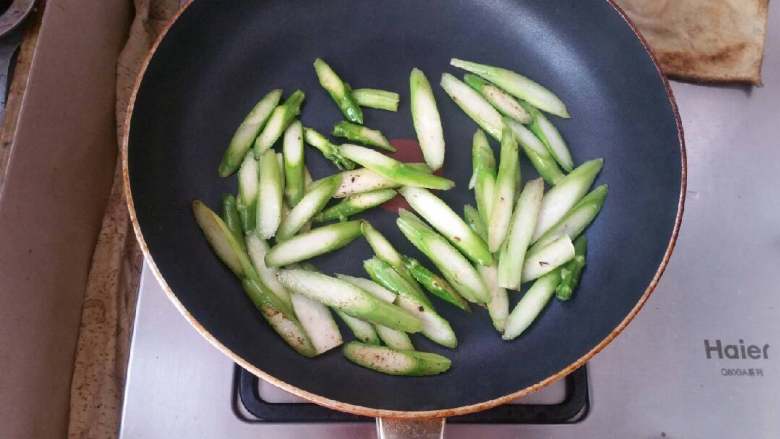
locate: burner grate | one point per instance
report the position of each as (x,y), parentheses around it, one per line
(250,407)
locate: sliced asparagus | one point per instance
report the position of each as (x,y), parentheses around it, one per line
(378,99)
(290,330)
(572,270)
(360,134)
(520,231)
(501,100)
(484,166)
(435,327)
(427,122)
(313,243)
(293,163)
(474,221)
(318,323)
(551,137)
(221,239)
(348,298)
(329,150)
(396,362)
(247,132)
(506,185)
(547,259)
(248,188)
(498,306)
(280,119)
(338,91)
(473,104)
(231,217)
(561,198)
(257,249)
(435,284)
(517,85)
(370,286)
(454,266)
(530,305)
(363,331)
(537,153)
(355,204)
(265,300)
(311,203)
(577,219)
(394,170)
(448,223)
(386,252)
(269,210)
(362,180)
(394,339)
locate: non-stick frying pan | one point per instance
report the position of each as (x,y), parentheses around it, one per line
(218,58)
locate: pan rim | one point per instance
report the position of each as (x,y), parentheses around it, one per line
(386,413)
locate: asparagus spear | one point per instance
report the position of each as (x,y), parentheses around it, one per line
(355,204)
(318,323)
(501,100)
(348,298)
(448,223)
(369,286)
(311,203)
(517,85)
(329,150)
(271,189)
(362,180)
(484,165)
(454,266)
(577,218)
(427,122)
(313,243)
(386,252)
(474,221)
(231,217)
(280,119)
(547,259)
(379,99)
(392,169)
(384,274)
(394,339)
(473,104)
(247,132)
(561,198)
(498,306)
(363,331)
(551,137)
(530,305)
(360,134)
(572,270)
(293,163)
(257,249)
(221,239)
(396,362)
(248,188)
(338,91)
(537,153)
(506,184)
(520,231)
(435,284)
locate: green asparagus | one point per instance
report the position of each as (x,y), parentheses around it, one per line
(435,284)
(474,220)
(547,259)
(355,204)
(378,99)
(280,119)
(360,134)
(290,330)
(531,305)
(318,323)
(551,137)
(358,181)
(484,166)
(572,270)
(386,252)
(311,203)
(506,185)
(394,339)
(577,219)
(369,286)
(231,217)
(338,91)
(248,188)
(426,119)
(385,275)
(329,150)
(537,153)
(247,132)
(271,192)
(473,104)
(396,362)
(498,306)
(363,331)
(293,163)
(520,231)
(392,169)
(313,243)
(501,100)
(257,249)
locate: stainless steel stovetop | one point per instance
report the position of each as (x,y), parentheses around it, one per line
(657,380)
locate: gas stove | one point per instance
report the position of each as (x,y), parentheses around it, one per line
(699,361)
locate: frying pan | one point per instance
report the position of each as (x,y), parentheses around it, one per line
(217,59)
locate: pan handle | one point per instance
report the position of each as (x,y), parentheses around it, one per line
(397,428)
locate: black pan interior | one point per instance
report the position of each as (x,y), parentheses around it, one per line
(220,57)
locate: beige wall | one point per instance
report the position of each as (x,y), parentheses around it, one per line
(51,206)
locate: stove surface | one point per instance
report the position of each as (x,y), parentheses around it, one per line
(699,361)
